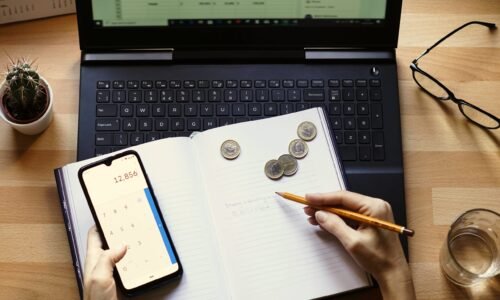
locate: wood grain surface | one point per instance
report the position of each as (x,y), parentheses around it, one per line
(450,165)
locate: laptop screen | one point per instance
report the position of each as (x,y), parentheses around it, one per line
(160,13)
(262,24)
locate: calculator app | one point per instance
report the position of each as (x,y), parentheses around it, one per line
(128,215)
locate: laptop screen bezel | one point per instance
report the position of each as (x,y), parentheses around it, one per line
(262,37)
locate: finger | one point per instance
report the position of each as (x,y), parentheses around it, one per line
(312,221)
(336,226)
(346,199)
(94,248)
(309,211)
(107,261)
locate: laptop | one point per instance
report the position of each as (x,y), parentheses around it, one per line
(162,68)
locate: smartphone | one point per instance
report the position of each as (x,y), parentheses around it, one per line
(125,211)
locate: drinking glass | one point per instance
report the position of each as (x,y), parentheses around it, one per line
(470,253)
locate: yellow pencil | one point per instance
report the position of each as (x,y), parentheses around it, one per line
(352,215)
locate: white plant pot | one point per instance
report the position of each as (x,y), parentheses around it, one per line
(39,124)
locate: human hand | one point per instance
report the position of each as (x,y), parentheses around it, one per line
(376,250)
(99,264)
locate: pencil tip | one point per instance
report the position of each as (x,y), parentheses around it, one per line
(408,232)
(279,193)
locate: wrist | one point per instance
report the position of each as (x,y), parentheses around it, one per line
(396,283)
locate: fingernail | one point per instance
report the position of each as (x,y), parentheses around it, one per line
(320,216)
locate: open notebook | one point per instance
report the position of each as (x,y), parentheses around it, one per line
(235,238)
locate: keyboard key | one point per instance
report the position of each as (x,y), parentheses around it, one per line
(349,123)
(118,84)
(260,83)
(174,110)
(302,83)
(334,109)
(103,84)
(334,95)
(348,153)
(189,84)
(183,96)
(102,96)
(126,110)
(136,138)
(177,124)
(161,124)
(107,125)
(317,83)
(132,84)
(377,122)
(150,96)
(361,83)
(230,95)
(314,95)
(103,139)
(375,82)
(214,96)
(364,153)
(348,94)
(364,137)
(348,109)
(274,83)
(278,95)
(161,84)
(129,124)
(134,96)
(361,94)
(286,108)
(334,83)
(191,110)
(364,123)
(175,84)
(119,96)
(209,123)
(231,84)
(207,110)
(194,124)
(339,137)
(120,139)
(152,136)
(218,84)
(378,145)
(147,84)
(270,109)
(293,95)
(246,83)
(199,96)
(225,121)
(288,83)
(254,109)
(146,124)
(246,95)
(363,109)
(158,110)
(106,110)
(302,106)
(262,95)
(203,84)
(166,96)
(142,110)
(375,94)
(238,109)
(222,110)
(350,137)
(347,83)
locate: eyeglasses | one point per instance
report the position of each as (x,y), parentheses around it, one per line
(439,91)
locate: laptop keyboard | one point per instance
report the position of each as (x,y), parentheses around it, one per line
(133,112)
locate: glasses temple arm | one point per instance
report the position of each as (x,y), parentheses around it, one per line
(491,26)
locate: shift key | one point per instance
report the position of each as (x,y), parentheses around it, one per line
(107,125)
(314,95)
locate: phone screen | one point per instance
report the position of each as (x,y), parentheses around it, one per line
(127,213)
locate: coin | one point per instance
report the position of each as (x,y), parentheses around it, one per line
(289,164)
(307,131)
(274,169)
(230,149)
(298,148)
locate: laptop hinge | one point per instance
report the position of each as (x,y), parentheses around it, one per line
(128,56)
(313,54)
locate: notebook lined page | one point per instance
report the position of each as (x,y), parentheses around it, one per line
(175,181)
(268,247)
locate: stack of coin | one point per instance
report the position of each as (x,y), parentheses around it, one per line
(287,164)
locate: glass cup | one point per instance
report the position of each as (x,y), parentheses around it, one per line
(470,253)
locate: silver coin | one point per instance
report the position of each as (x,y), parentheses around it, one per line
(274,169)
(298,148)
(307,131)
(230,149)
(289,163)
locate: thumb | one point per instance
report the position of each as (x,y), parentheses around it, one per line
(336,226)
(108,260)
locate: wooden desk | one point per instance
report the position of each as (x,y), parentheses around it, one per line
(450,165)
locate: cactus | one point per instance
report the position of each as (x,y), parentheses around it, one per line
(25,97)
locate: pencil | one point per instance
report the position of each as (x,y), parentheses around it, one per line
(352,215)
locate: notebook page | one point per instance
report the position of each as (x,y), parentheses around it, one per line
(176,182)
(268,247)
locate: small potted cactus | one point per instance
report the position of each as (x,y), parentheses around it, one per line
(26,98)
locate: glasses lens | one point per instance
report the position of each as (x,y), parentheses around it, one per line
(478,116)
(430,86)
